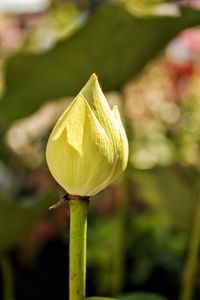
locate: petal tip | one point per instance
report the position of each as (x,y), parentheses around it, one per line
(93,80)
(94,76)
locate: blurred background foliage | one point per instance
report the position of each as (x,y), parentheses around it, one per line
(143,231)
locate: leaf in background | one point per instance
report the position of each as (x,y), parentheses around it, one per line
(112,43)
(99,298)
(171,190)
(141,296)
(17,219)
(135,296)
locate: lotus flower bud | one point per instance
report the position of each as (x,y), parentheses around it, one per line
(87,149)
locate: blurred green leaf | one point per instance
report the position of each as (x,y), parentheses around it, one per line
(141,296)
(112,43)
(17,219)
(136,296)
(171,190)
(105,244)
(99,298)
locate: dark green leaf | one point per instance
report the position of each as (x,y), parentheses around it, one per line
(171,190)
(112,43)
(17,219)
(141,296)
(99,298)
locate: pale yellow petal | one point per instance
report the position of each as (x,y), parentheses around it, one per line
(124,148)
(75,125)
(93,94)
(78,174)
(87,149)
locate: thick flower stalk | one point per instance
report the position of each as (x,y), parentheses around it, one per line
(87,149)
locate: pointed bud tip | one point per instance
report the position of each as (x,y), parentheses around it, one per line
(93,79)
(94,76)
(91,84)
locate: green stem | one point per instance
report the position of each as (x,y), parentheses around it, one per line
(7,278)
(188,280)
(77,256)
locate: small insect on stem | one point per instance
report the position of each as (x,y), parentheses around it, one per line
(61,202)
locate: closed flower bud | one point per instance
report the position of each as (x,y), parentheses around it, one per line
(87,149)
